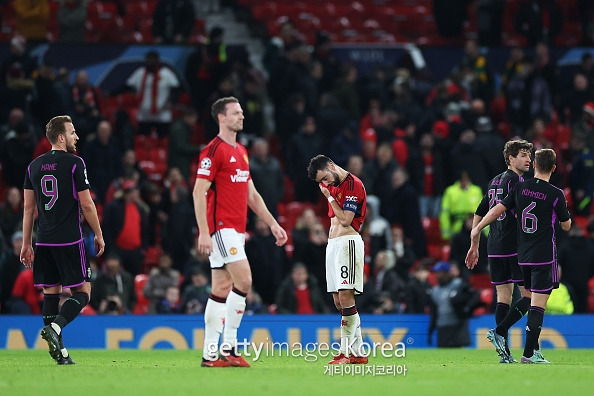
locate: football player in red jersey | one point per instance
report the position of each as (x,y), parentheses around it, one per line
(222,194)
(347,202)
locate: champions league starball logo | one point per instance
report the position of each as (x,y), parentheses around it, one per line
(205,163)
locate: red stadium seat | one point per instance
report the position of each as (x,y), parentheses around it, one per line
(480,281)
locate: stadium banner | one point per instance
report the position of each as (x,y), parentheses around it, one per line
(392,333)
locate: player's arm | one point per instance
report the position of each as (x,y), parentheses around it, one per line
(256,203)
(199,194)
(89,210)
(490,217)
(344,217)
(565,225)
(28,218)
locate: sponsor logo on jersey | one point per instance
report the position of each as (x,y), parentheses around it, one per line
(241,176)
(232,159)
(233,251)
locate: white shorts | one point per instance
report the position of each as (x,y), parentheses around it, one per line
(344,264)
(228,246)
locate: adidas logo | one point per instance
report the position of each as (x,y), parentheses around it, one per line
(344,282)
(232,159)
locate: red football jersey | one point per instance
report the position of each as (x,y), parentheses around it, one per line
(350,195)
(228,169)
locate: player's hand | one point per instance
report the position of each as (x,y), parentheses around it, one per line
(27,256)
(280,234)
(324,190)
(99,245)
(471,258)
(204,244)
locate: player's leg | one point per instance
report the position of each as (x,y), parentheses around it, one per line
(241,276)
(543,280)
(332,284)
(214,317)
(68,260)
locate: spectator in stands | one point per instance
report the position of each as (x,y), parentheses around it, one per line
(300,293)
(380,172)
(86,102)
(160,279)
(178,234)
(277,45)
(10,268)
(376,231)
(572,104)
(16,81)
(560,301)
(345,90)
(388,285)
(170,304)
(102,155)
(546,68)
(123,130)
(72,15)
(205,67)
(356,165)
(267,175)
(26,295)
(584,128)
(46,103)
(331,117)
(539,20)
(489,14)
(16,150)
(581,177)
(303,226)
(586,11)
(323,52)
(173,21)
(459,201)
(460,245)
(401,207)
(125,227)
(488,143)
(433,177)
(302,147)
(131,169)
(196,294)
(403,252)
(11,212)
(477,76)
(268,261)
(466,157)
(181,150)
(452,331)
(449,17)
(313,252)
(346,144)
(418,290)
(227,85)
(576,256)
(154,111)
(32,17)
(113,281)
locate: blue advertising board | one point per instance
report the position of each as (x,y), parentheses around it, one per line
(268,332)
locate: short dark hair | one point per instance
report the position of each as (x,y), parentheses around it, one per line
(513,148)
(317,163)
(220,107)
(544,160)
(55,127)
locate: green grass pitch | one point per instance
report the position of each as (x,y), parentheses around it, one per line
(178,372)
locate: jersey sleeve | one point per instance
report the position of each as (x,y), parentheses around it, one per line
(208,165)
(509,200)
(483,207)
(354,197)
(27,185)
(81,180)
(561,208)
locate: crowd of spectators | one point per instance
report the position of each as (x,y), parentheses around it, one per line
(424,149)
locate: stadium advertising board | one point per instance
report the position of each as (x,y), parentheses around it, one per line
(300,335)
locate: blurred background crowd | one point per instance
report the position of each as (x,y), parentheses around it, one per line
(424,147)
